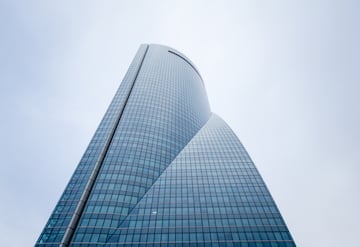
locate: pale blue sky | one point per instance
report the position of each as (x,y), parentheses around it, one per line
(285,75)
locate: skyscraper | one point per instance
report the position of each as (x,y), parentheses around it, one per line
(162,170)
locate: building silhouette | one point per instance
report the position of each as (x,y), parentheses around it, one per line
(162,170)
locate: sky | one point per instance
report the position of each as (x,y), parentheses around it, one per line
(285,75)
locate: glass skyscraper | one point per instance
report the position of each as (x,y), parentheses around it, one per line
(163,170)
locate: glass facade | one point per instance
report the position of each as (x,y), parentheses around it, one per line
(162,170)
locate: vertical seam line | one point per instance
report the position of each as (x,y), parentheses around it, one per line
(85,196)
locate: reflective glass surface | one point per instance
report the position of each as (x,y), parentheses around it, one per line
(211,194)
(161,170)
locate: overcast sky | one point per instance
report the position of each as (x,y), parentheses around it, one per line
(285,75)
